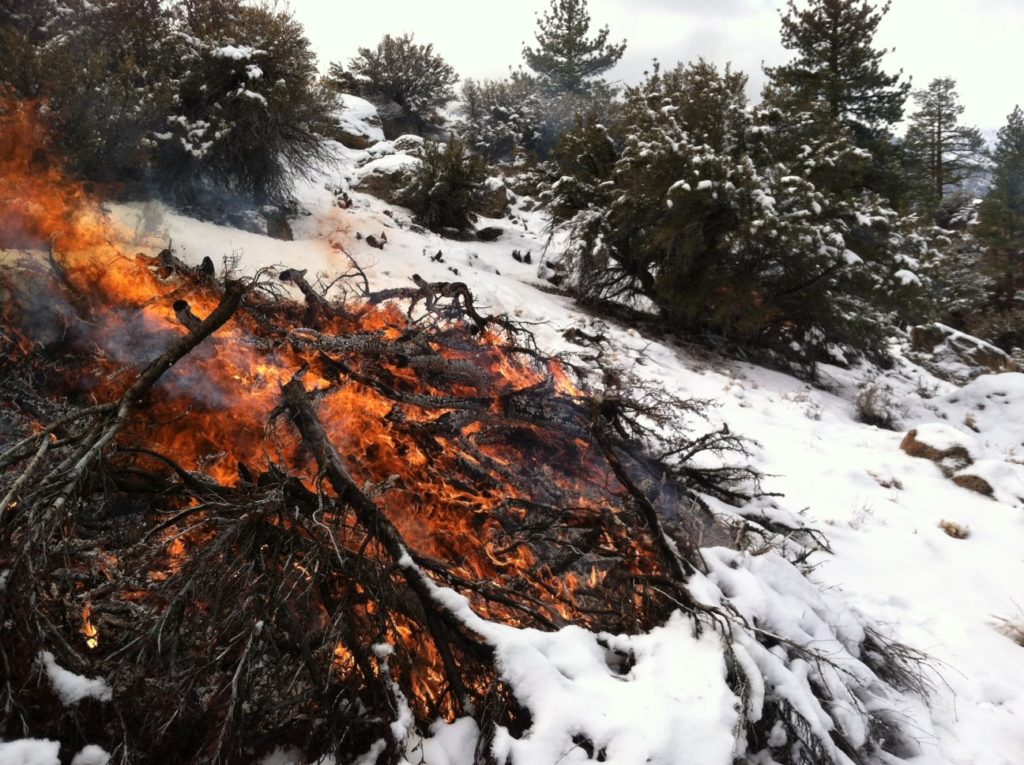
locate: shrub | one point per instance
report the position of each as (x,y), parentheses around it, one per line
(954,529)
(192,96)
(877,405)
(682,205)
(249,113)
(1013,628)
(446,187)
(501,117)
(410,74)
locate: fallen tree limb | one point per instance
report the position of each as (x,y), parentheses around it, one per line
(444,627)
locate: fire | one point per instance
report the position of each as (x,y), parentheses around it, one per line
(211,417)
(38,203)
(88,629)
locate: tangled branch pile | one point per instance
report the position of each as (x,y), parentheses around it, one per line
(322,525)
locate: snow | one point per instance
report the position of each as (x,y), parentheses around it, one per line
(29,751)
(906,277)
(890,566)
(91,755)
(235,52)
(359,116)
(391,163)
(70,687)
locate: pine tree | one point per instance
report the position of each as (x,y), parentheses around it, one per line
(837,70)
(943,152)
(565,58)
(410,74)
(1002,213)
(682,204)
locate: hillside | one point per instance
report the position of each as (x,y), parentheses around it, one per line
(891,564)
(863,544)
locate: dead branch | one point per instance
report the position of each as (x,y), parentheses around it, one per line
(131,397)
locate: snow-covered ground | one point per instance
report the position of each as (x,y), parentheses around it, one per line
(881,509)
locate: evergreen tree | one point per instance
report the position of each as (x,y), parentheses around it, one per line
(501,118)
(248,112)
(1002,213)
(410,74)
(565,58)
(447,186)
(943,152)
(837,71)
(682,205)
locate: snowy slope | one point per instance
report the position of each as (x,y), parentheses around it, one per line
(879,508)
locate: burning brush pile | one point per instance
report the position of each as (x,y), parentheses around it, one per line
(265,517)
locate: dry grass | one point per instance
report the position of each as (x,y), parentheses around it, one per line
(1012,628)
(954,529)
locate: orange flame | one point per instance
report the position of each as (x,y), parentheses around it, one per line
(210,413)
(88,629)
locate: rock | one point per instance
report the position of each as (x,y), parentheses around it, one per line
(946,446)
(385,177)
(974,483)
(357,123)
(925,338)
(494,201)
(458,235)
(278,227)
(409,144)
(489,234)
(955,356)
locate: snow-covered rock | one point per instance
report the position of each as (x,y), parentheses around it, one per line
(358,124)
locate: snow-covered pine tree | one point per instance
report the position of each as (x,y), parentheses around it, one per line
(408,73)
(1002,212)
(684,206)
(565,58)
(1001,226)
(837,69)
(502,117)
(943,153)
(837,79)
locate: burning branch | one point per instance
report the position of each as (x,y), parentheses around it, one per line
(252,595)
(103,433)
(443,627)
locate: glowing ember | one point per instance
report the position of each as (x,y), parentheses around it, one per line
(88,629)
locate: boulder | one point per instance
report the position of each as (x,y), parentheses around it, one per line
(357,123)
(489,234)
(409,144)
(494,201)
(385,177)
(956,356)
(974,483)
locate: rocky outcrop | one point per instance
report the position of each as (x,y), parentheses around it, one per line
(955,356)
(495,199)
(386,177)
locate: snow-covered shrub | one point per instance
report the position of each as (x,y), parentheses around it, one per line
(501,117)
(189,97)
(97,66)
(408,73)
(683,205)
(248,111)
(446,187)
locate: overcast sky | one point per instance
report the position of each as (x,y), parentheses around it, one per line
(978,42)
